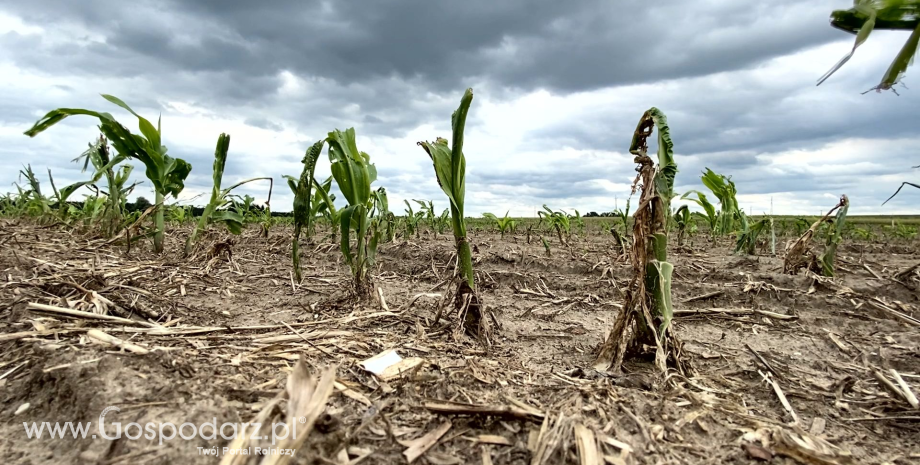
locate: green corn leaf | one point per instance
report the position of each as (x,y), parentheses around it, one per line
(381,203)
(323,191)
(303,188)
(834,237)
(151,133)
(441,155)
(233,220)
(667,167)
(350,168)
(904,59)
(220,161)
(291,182)
(166,173)
(867,26)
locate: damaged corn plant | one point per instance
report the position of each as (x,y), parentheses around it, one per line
(450,170)
(749,236)
(354,173)
(504,224)
(216,210)
(167,174)
(645,321)
(304,212)
(801,254)
(116,176)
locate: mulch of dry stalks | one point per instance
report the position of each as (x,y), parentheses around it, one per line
(789,369)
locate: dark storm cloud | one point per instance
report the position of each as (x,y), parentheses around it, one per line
(390,60)
(442,45)
(390,67)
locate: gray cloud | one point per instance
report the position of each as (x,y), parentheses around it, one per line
(263,123)
(389,68)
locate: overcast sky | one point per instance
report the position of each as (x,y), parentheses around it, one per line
(559,87)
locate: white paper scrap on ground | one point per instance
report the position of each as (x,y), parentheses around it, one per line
(380,362)
(388,364)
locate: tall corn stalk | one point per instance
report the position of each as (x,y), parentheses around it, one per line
(450,170)
(647,312)
(303,211)
(215,211)
(165,172)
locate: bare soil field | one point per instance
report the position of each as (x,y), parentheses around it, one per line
(787,369)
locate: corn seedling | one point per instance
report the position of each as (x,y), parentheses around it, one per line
(216,211)
(623,215)
(546,248)
(504,224)
(30,198)
(901,231)
(179,214)
(724,189)
(265,220)
(426,211)
(323,204)
(647,312)
(682,219)
(863,234)
(354,174)
(304,206)
(834,237)
(166,173)
(93,208)
(749,236)
(60,197)
(380,218)
(710,216)
(558,221)
(450,170)
(442,222)
(116,177)
(800,254)
(577,221)
(869,15)
(412,219)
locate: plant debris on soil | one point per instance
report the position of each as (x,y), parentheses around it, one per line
(786,369)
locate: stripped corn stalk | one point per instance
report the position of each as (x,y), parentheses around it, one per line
(800,255)
(647,313)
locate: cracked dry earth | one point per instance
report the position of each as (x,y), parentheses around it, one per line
(788,369)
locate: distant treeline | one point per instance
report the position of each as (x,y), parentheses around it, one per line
(142,204)
(600,215)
